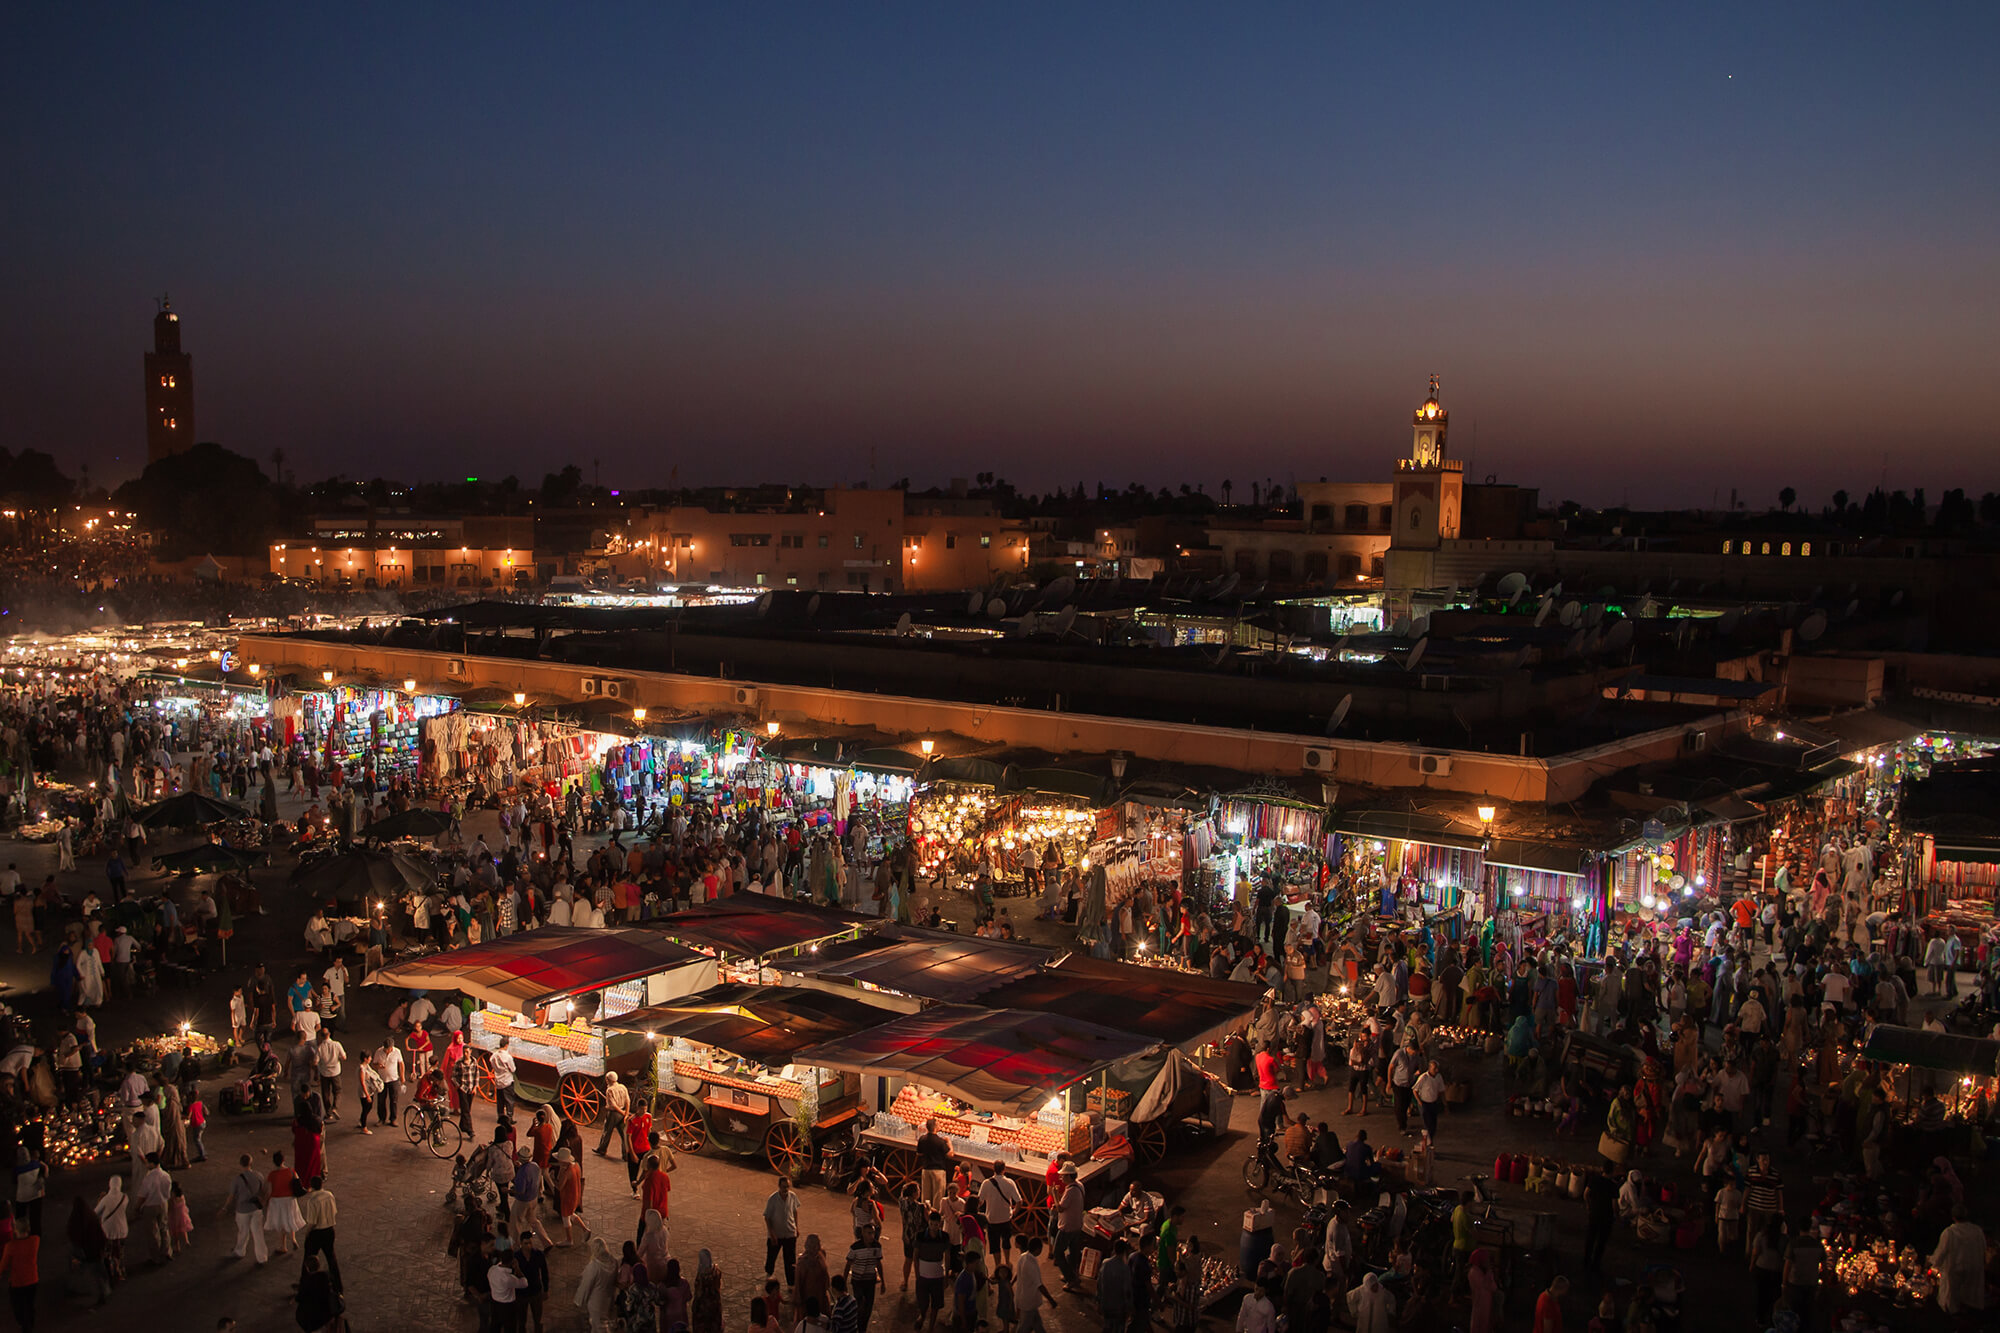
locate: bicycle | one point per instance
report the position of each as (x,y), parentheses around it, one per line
(431,1125)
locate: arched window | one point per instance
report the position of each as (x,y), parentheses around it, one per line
(1767,549)
(1805,548)
(1786,549)
(1727,547)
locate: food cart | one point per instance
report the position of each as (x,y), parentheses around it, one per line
(728,1077)
(1007,1087)
(551,993)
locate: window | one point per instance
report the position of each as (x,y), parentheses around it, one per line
(914,543)
(1315,566)
(823,541)
(1387,515)
(1786,549)
(760,580)
(985,540)
(1805,548)
(1356,517)
(1766,550)
(1350,566)
(857,541)
(1727,547)
(950,541)
(1281,565)
(1375,567)
(1324,513)
(749,539)
(792,541)
(170,423)
(791,580)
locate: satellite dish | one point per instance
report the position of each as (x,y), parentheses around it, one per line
(1812,626)
(972,607)
(1648,608)
(1896,599)
(1229,585)
(1057,592)
(1514,598)
(1853,606)
(812,606)
(764,606)
(1339,714)
(1571,615)
(1026,624)
(1542,612)
(1400,627)
(1520,659)
(996,608)
(1418,627)
(903,624)
(1557,590)
(1576,644)
(1064,619)
(1513,585)
(1593,614)
(1416,655)
(1619,635)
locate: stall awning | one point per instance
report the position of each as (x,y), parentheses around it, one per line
(884,759)
(1523,854)
(1184,1009)
(1005,1060)
(1405,826)
(1864,729)
(1945,1051)
(752,925)
(1092,788)
(535,966)
(1729,809)
(1984,854)
(967,770)
(929,964)
(766,1024)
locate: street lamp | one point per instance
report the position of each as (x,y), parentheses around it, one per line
(520,697)
(409,685)
(771,728)
(638,715)
(255,669)
(927,745)
(1486,813)
(326,676)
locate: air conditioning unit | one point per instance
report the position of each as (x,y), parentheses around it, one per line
(1434,765)
(744,696)
(612,689)
(455,667)
(590,684)
(1694,742)
(1318,760)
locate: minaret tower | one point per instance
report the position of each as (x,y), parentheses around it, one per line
(1430,487)
(169,389)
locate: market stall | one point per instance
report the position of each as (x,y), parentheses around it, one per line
(550,992)
(1268,834)
(1007,1087)
(937,965)
(724,1063)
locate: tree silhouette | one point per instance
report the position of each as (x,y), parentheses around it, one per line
(1840,502)
(1786,497)
(1227,487)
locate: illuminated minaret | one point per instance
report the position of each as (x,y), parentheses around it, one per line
(169,389)
(1429,485)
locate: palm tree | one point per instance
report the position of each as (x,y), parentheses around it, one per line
(1786,498)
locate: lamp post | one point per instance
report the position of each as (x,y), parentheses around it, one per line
(639,715)
(927,745)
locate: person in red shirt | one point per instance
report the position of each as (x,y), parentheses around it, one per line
(638,1142)
(542,1137)
(1549,1307)
(22,1260)
(655,1188)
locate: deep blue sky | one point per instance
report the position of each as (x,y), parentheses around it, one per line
(1129,243)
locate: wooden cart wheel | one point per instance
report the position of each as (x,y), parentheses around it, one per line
(788,1150)
(484,1059)
(1031,1215)
(580,1098)
(900,1166)
(1149,1141)
(679,1122)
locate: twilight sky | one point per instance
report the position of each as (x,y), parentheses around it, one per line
(1655,252)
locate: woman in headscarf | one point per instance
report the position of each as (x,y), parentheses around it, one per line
(1947,1183)
(111,1209)
(1960,1261)
(1485,1291)
(308,1143)
(596,1287)
(1632,1196)
(173,1129)
(655,1245)
(814,1281)
(1372,1307)
(62,976)
(705,1312)
(673,1292)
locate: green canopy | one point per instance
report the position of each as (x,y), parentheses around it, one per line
(208,859)
(191,809)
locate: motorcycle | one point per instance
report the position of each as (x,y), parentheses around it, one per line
(1268,1171)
